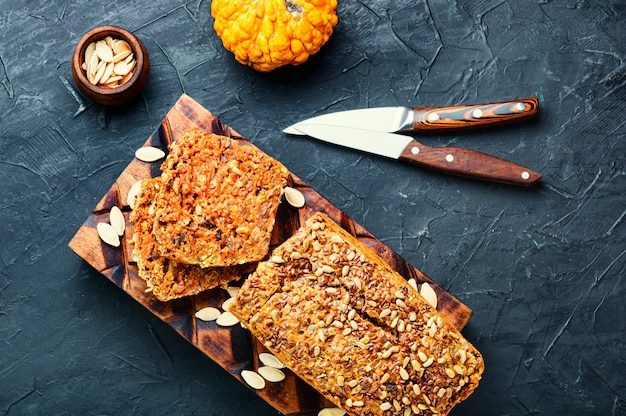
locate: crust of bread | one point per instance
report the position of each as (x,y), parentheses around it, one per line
(345,322)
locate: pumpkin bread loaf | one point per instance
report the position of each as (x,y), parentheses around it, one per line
(338,316)
(216,202)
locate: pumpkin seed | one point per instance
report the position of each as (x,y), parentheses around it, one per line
(91,48)
(109,62)
(232,291)
(117,220)
(132,194)
(227,303)
(104,51)
(149,154)
(121,45)
(208,314)
(277,259)
(108,234)
(108,71)
(270,360)
(331,411)
(126,78)
(271,374)
(294,197)
(92,66)
(122,68)
(429,294)
(109,42)
(99,73)
(121,56)
(227,319)
(253,379)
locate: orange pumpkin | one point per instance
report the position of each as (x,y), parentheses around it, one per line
(267,34)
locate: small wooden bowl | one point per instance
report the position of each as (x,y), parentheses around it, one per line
(123,93)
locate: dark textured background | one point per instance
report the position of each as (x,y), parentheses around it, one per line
(542,268)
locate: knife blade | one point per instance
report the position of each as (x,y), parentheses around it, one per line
(453,160)
(395,119)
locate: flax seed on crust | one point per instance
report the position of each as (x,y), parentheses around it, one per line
(217,201)
(336,314)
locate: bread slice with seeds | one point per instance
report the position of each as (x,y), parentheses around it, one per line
(217,201)
(168,279)
(336,314)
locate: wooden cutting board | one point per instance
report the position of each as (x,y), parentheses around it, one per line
(231,347)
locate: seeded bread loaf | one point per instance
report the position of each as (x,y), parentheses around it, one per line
(338,316)
(217,200)
(165,278)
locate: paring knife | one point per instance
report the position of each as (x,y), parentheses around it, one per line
(394,119)
(454,160)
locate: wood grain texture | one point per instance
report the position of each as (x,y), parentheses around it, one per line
(469,164)
(471,116)
(230,347)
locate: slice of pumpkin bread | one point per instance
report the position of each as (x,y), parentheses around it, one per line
(168,279)
(217,200)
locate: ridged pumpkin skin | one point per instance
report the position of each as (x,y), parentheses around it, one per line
(267,34)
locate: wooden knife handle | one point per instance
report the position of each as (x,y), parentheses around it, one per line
(475,115)
(469,163)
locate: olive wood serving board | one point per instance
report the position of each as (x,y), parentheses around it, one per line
(232,348)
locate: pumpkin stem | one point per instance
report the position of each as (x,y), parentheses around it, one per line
(293,7)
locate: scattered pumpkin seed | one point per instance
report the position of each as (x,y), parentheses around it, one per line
(253,379)
(232,291)
(132,194)
(271,374)
(149,154)
(294,197)
(429,294)
(227,319)
(331,411)
(227,303)
(270,360)
(208,314)
(117,220)
(108,234)
(413,283)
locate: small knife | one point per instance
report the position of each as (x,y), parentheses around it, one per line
(453,160)
(394,119)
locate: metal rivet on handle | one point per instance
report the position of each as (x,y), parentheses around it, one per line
(525,175)
(415,150)
(449,158)
(478,113)
(520,107)
(433,117)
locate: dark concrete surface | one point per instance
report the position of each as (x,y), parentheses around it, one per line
(542,268)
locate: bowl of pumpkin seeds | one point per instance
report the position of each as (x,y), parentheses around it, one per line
(110,65)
